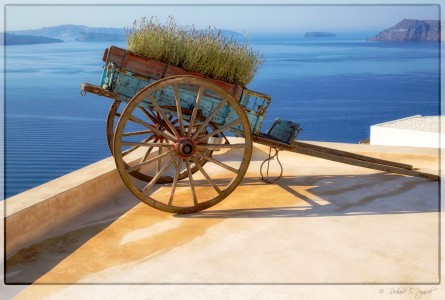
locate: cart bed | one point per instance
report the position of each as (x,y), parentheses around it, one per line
(126,73)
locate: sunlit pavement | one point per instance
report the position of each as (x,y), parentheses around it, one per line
(322,227)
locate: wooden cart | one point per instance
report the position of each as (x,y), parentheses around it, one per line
(183,142)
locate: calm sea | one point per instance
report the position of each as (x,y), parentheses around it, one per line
(335,87)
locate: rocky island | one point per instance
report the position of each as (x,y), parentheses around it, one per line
(14,39)
(71,32)
(80,33)
(317,34)
(100,37)
(410,31)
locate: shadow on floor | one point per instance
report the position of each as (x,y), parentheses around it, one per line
(341,196)
(310,196)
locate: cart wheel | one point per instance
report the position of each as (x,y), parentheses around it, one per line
(205,114)
(113,116)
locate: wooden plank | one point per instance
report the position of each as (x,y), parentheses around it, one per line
(132,62)
(353,155)
(239,89)
(365,164)
(174,71)
(91,88)
(143,66)
(346,158)
(264,140)
(127,60)
(232,89)
(114,54)
(104,57)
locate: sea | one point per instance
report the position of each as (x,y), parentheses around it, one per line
(336,88)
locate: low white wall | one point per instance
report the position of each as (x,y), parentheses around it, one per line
(46,211)
(381,135)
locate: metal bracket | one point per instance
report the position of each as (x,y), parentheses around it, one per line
(266,178)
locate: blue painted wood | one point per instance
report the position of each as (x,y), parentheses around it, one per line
(283,131)
(126,84)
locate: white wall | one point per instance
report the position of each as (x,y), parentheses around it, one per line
(381,135)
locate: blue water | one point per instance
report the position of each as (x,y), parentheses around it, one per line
(336,88)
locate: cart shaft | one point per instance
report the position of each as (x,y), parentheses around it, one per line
(345,157)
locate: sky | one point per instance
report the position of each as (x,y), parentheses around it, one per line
(241,18)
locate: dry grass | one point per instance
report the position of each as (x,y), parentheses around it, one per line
(203,51)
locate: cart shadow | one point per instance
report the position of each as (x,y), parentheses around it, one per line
(302,196)
(323,196)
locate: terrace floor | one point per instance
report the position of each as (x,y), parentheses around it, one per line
(325,229)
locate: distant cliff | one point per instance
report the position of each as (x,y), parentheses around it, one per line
(101,37)
(91,34)
(69,31)
(410,31)
(13,39)
(318,34)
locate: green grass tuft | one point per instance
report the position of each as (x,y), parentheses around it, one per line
(203,51)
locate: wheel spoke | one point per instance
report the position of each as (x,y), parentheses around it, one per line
(158,164)
(151,127)
(137,132)
(217,162)
(124,143)
(202,147)
(175,181)
(149,115)
(195,111)
(147,153)
(158,157)
(179,110)
(158,175)
(203,125)
(192,184)
(219,130)
(128,151)
(159,110)
(206,176)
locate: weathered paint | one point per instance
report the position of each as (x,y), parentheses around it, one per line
(284,131)
(126,73)
(126,84)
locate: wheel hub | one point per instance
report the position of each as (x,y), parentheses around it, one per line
(185,147)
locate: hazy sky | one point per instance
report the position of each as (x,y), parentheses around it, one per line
(251,18)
